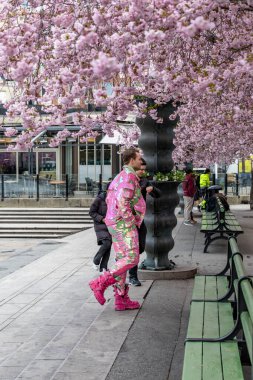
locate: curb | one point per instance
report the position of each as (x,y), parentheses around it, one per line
(179,273)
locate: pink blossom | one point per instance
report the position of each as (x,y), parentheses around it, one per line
(10,132)
(104,66)
(196,52)
(197,25)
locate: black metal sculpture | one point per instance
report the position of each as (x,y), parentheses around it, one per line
(156,141)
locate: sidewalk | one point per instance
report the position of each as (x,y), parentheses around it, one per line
(51,327)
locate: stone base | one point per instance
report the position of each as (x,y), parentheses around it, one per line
(179,273)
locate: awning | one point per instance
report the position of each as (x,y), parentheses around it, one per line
(115,140)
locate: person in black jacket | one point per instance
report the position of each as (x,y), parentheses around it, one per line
(98,212)
(146,188)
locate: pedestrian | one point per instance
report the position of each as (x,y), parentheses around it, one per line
(189,188)
(146,188)
(125,212)
(204,182)
(97,212)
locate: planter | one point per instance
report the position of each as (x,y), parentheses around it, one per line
(160,220)
(156,141)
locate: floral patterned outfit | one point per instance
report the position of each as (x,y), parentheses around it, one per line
(125,212)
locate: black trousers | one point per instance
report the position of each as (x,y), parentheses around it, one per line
(142,233)
(103,254)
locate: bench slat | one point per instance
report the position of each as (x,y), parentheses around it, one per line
(218,359)
(204,212)
(211,288)
(210,319)
(195,326)
(209,222)
(212,361)
(211,326)
(225,318)
(192,369)
(222,285)
(215,359)
(208,217)
(231,222)
(207,228)
(232,368)
(230,216)
(216,286)
(199,287)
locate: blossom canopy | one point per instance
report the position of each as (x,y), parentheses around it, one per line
(64,54)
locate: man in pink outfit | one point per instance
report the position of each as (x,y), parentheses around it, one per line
(125,212)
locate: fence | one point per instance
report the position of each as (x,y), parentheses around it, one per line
(234,184)
(36,187)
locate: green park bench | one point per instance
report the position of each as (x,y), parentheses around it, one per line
(219,224)
(220,330)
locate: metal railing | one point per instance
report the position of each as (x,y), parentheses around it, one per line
(234,184)
(36,187)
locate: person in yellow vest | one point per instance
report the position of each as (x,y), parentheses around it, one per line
(204,182)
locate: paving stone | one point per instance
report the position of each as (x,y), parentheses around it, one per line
(9,373)
(24,354)
(56,351)
(4,317)
(78,376)
(7,349)
(90,363)
(10,308)
(40,370)
(24,298)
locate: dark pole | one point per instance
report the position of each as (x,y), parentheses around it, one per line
(237,185)
(29,161)
(30,171)
(226,184)
(2,183)
(213,179)
(100,182)
(67,187)
(37,187)
(102,159)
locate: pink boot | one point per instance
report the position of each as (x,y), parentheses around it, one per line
(100,284)
(123,302)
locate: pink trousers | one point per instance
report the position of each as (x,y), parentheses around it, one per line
(125,243)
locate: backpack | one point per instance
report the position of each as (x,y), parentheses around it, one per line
(211,204)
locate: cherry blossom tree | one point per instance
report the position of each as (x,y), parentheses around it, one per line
(197,52)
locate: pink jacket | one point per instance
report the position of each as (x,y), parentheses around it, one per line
(125,202)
